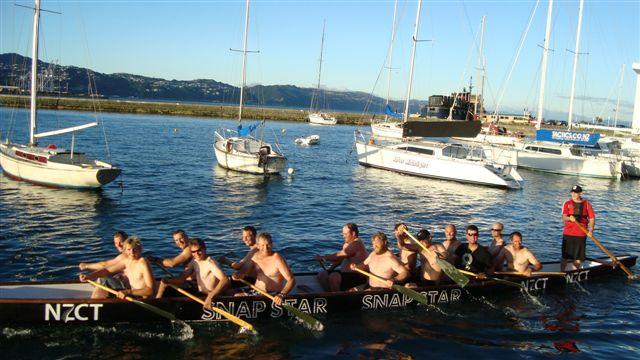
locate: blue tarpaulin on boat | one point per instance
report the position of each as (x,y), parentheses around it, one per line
(390,112)
(573,137)
(244,131)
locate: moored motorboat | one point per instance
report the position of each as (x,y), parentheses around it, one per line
(308,140)
(68,303)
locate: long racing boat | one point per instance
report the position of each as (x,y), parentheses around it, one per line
(68,302)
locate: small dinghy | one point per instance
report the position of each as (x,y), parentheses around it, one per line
(308,140)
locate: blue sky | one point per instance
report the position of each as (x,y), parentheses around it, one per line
(191,39)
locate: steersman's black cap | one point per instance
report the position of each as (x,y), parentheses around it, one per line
(576,189)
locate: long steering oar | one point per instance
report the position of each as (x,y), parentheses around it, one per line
(506,282)
(313,323)
(236,320)
(399,288)
(450,270)
(613,257)
(151,308)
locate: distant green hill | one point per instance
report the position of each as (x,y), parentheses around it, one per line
(74,81)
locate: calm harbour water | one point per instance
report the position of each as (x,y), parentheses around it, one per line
(171,181)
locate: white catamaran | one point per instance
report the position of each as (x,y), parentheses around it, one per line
(51,166)
(433,159)
(238,150)
(316,116)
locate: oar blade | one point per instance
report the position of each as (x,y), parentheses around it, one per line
(453,273)
(412,294)
(313,323)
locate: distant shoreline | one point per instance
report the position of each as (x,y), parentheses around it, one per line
(177,108)
(174,108)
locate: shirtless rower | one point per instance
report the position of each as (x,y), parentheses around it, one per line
(520,258)
(352,252)
(184,257)
(118,241)
(383,263)
(408,250)
(430,271)
(138,278)
(211,280)
(272,272)
(249,239)
(451,243)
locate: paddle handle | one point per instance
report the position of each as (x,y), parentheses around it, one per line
(271,297)
(417,242)
(622,266)
(370,275)
(229,316)
(108,289)
(468,273)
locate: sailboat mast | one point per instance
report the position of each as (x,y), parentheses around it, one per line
(244,60)
(543,74)
(389,63)
(413,57)
(34,72)
(480,73)
(575,65)
(615,118)
(324,23)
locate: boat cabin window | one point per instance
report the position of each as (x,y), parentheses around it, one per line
(550,151)
(531,148)
(455,151)
(576,151)
(417,150)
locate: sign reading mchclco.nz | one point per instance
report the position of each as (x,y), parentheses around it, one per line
(574,137)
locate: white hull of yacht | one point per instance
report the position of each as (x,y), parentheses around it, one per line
(446,168)
(391,130)
(322,119)
(564,163)
(55,168)
(246,155)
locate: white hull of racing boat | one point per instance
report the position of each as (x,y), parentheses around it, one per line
(55,168)
(426,159)
(322,119)
(246,154)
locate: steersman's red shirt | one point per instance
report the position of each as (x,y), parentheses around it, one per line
(587,213)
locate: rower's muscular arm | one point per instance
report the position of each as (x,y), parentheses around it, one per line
(183,257)
(401,271)
(101,264)
(223,283)
(236,265)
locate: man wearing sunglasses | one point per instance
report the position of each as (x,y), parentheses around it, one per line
(473,256)
(209,277)
(497,242)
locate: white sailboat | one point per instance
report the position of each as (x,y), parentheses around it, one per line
(315,115)
(563,156)
(238,150)
(432,159)
(51,166)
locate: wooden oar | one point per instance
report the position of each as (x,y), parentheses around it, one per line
(451,271)
(399,288)
(613,258)
(306,318)
(506,282)
(236,320)
(533,273)
(151,308)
